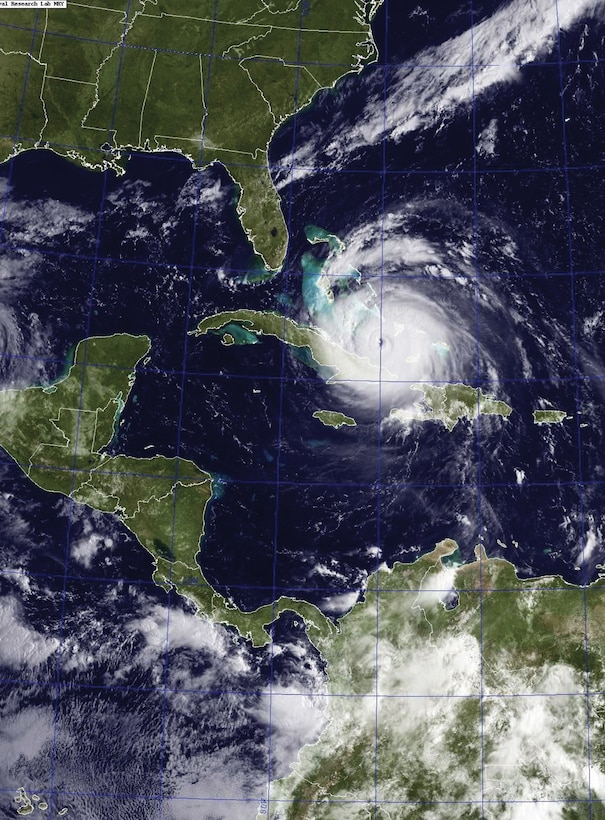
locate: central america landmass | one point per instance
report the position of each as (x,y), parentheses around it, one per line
(433,653)
(58,435)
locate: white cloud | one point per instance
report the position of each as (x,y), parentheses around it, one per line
(42,219)
(20,644)
(535,747)
(295,720)
(515,35)
(591,543)
(439,78)
(86,549)
(339,604)
(24,734)
(452,668)
(184,630)
(19,577)
(487,139)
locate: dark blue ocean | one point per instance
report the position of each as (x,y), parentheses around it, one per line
(300,508)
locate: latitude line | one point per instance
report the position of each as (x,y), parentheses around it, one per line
(390,66)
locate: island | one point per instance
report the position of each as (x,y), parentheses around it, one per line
(213,82)
(445,681)
(449,403)
(316,236)
(26,803)
(549,416)
(455,682)
(58,435)
(333,419)
(245,326)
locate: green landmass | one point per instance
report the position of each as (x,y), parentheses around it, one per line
(57,435)
(319,287)
(451,678)
(450,403)
(447,682)
(93,80)
(251,324)
(188,580)
(24,802)
(332,419)
(549,416)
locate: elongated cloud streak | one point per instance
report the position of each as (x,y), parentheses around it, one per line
(437,80)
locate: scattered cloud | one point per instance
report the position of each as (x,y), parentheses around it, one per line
(85,550)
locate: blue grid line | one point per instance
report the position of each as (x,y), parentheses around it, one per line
(89,580)
(379,420)
(197,54)
(66,556)
(42,252)
(286,267)
(321,803)
(186,325)
(392,66)
(493,383)
(221,376)
(218,692)
(551,801)
(555,483)
(168,155)
(574,334)
(497,802)
(216,376)
(333,801)
(298,274)
(478,419)
(15,137)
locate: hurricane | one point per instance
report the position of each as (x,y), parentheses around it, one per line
(414,307)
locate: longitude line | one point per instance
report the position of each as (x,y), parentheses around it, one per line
(77,431)
(206,96)
(44,252)
(580,484)
(576,380)
(15,136)
(379,494)
(282,383)
(478,419)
